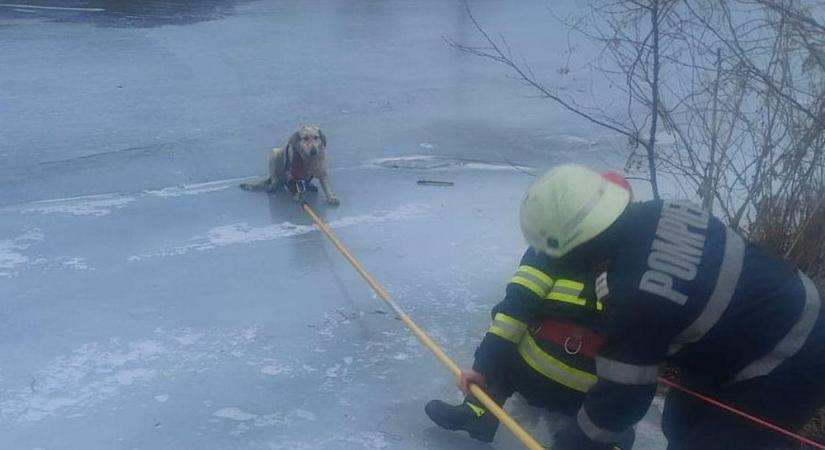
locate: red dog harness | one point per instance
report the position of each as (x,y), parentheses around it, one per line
(296,167)
(573,338)
(298,180)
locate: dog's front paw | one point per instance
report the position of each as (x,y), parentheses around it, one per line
(333,201)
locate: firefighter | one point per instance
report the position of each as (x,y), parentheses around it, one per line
(541,344)
(739,325)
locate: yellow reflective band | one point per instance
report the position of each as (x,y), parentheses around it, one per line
(569,284)
(504,334)
(529,285)
(507,328)
(501,317)
(477,410)
(567,291)
(536,273)
(552,368)
(567,298)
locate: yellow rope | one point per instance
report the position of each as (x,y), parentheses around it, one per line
(523,436)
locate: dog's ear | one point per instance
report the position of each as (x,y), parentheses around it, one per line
(294,141)
(323,137)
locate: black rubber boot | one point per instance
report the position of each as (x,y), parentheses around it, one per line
(467,416)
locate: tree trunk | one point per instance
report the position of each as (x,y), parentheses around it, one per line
(654,107)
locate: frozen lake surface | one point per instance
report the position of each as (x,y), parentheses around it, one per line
(148,303)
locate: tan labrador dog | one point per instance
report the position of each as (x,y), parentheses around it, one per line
(294,166)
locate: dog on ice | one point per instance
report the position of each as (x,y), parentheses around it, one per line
(294,166)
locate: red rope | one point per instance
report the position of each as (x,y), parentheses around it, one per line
(741,413)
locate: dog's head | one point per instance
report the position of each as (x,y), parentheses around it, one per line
(309,141)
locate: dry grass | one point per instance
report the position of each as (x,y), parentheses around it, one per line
(795,229)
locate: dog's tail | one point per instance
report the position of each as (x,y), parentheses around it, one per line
(261,185)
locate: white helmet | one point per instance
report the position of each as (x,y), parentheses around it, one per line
(570,205)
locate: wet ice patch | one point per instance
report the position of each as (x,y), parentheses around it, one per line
(364,440)
(234,414)
(247,420)
(98,372)
(376,358)
(131,376)
(187,339)
(369,440)
(59,263)
(89,375)
(75,263)
(304,414)
(243,233)
(104,204)
(277,369)
(427,162)
(90,205)
(334,371)
(12,258)
(162,398)
(197,188)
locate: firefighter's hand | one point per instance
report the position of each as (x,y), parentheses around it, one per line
(470,376)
